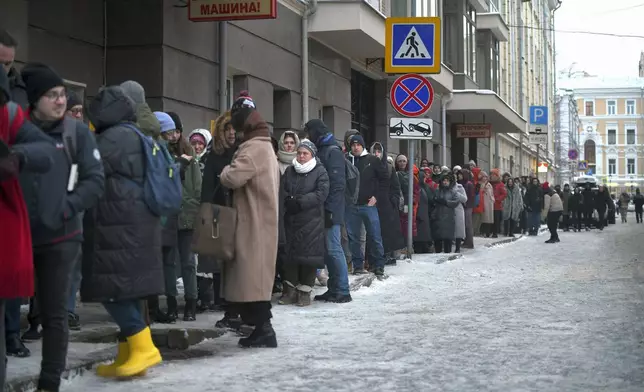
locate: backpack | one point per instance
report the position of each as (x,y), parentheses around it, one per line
(162,184)
(351,176)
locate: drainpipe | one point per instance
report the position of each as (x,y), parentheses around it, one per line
(223,67)
(310,7)
(445,100)
(520,96)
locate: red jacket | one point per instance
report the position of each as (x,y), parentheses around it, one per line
(16,257)
(500,193)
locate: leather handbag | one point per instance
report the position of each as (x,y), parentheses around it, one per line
(214,234)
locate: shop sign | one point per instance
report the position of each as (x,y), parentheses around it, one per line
(222,10)
(479,131)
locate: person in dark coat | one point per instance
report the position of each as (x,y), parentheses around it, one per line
(602,203)
(122,252)
(335,164)
(389,195)
(423,237)
(588,205)
(224,145)
(17,86)
(465,179)
(534,203)
(306,186)
(443,217)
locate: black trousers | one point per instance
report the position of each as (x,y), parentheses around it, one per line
(566,222)
(553,222)
(441,246)
(638,215)
(299,274)
(252,313)
(579,218)
(588,218)
(498,220)
(510,226)
(53,266)
(601,220)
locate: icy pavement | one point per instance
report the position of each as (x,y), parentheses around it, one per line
(525,316)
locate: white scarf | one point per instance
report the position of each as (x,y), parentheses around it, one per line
(304,168)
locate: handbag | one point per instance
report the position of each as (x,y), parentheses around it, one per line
(215,229)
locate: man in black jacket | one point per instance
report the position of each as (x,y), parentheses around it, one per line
(8,47)
(55,202)
(333,160)
(372,171)
(588,205)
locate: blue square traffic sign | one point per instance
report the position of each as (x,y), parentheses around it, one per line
(412,45)
(539,115)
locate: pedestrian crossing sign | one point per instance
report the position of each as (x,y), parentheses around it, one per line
(413,45)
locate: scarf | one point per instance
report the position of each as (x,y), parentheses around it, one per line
(304,168)
(286,157)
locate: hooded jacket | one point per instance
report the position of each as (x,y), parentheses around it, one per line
(145,119)
(334,162)
(372,171)
(122,251)
(18,89)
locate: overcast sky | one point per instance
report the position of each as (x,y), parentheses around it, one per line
(600,55)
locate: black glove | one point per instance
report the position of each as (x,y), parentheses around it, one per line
(292,205)
(328,220)
(9,166)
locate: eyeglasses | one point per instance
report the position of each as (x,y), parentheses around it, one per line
(76,111)
(55,96)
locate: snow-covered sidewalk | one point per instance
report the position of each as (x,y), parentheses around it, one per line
(525,316)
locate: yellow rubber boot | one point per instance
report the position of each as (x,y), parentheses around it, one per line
(122,355)
(143,355)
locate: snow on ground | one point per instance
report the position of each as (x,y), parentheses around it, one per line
(525,316)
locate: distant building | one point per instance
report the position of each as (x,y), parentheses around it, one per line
(611,131)
(642,64)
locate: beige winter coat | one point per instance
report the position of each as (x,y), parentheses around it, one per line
(488,199)
(254,177)
(551,204)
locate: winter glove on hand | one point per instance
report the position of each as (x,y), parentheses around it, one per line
(292,205)
(10,166)
(328,220)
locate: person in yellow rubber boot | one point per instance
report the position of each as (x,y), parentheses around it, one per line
(122,249)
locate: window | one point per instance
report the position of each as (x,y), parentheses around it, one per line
(469,47)
(630,136)
(495,76)
(612,136)
(589,152)
(630,106)
(590,108)
(229,92)
(451,39)
(630,165)
(424,7)
(612,166)
(611,107)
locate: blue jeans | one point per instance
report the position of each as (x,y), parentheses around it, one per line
(335,262)
(76,281)
(534,220)
(127,315)
(355,217)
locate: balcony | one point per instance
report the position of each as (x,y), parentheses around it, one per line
(493,21)
(485,106)
(354,28)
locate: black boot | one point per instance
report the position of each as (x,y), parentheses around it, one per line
(323,297)
(262,336)
(173,312)
(16,348)
(230,321)
(155,313)
(32,334)
(189,312)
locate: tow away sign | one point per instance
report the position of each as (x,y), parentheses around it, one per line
(222,10)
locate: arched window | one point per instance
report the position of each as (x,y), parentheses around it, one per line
(589,152)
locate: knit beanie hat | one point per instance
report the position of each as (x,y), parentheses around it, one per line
(134,90)
(73,100)
(177,121)
(243,101)
(306,143)
(356,139)
(39,78)
(166,122)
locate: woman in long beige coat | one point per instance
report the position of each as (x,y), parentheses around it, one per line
(487,219)
(254,178)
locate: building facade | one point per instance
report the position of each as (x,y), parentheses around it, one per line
(566,137)
(491,72)
(611,139)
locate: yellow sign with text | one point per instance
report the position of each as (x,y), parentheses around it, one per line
(222,10)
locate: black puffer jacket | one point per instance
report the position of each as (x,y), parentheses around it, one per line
(122,251)
(305,234)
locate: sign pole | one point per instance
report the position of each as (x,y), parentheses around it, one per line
(537,168)
(410,205)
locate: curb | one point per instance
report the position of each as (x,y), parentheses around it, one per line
(510,240)
(455,256)
(174,344)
